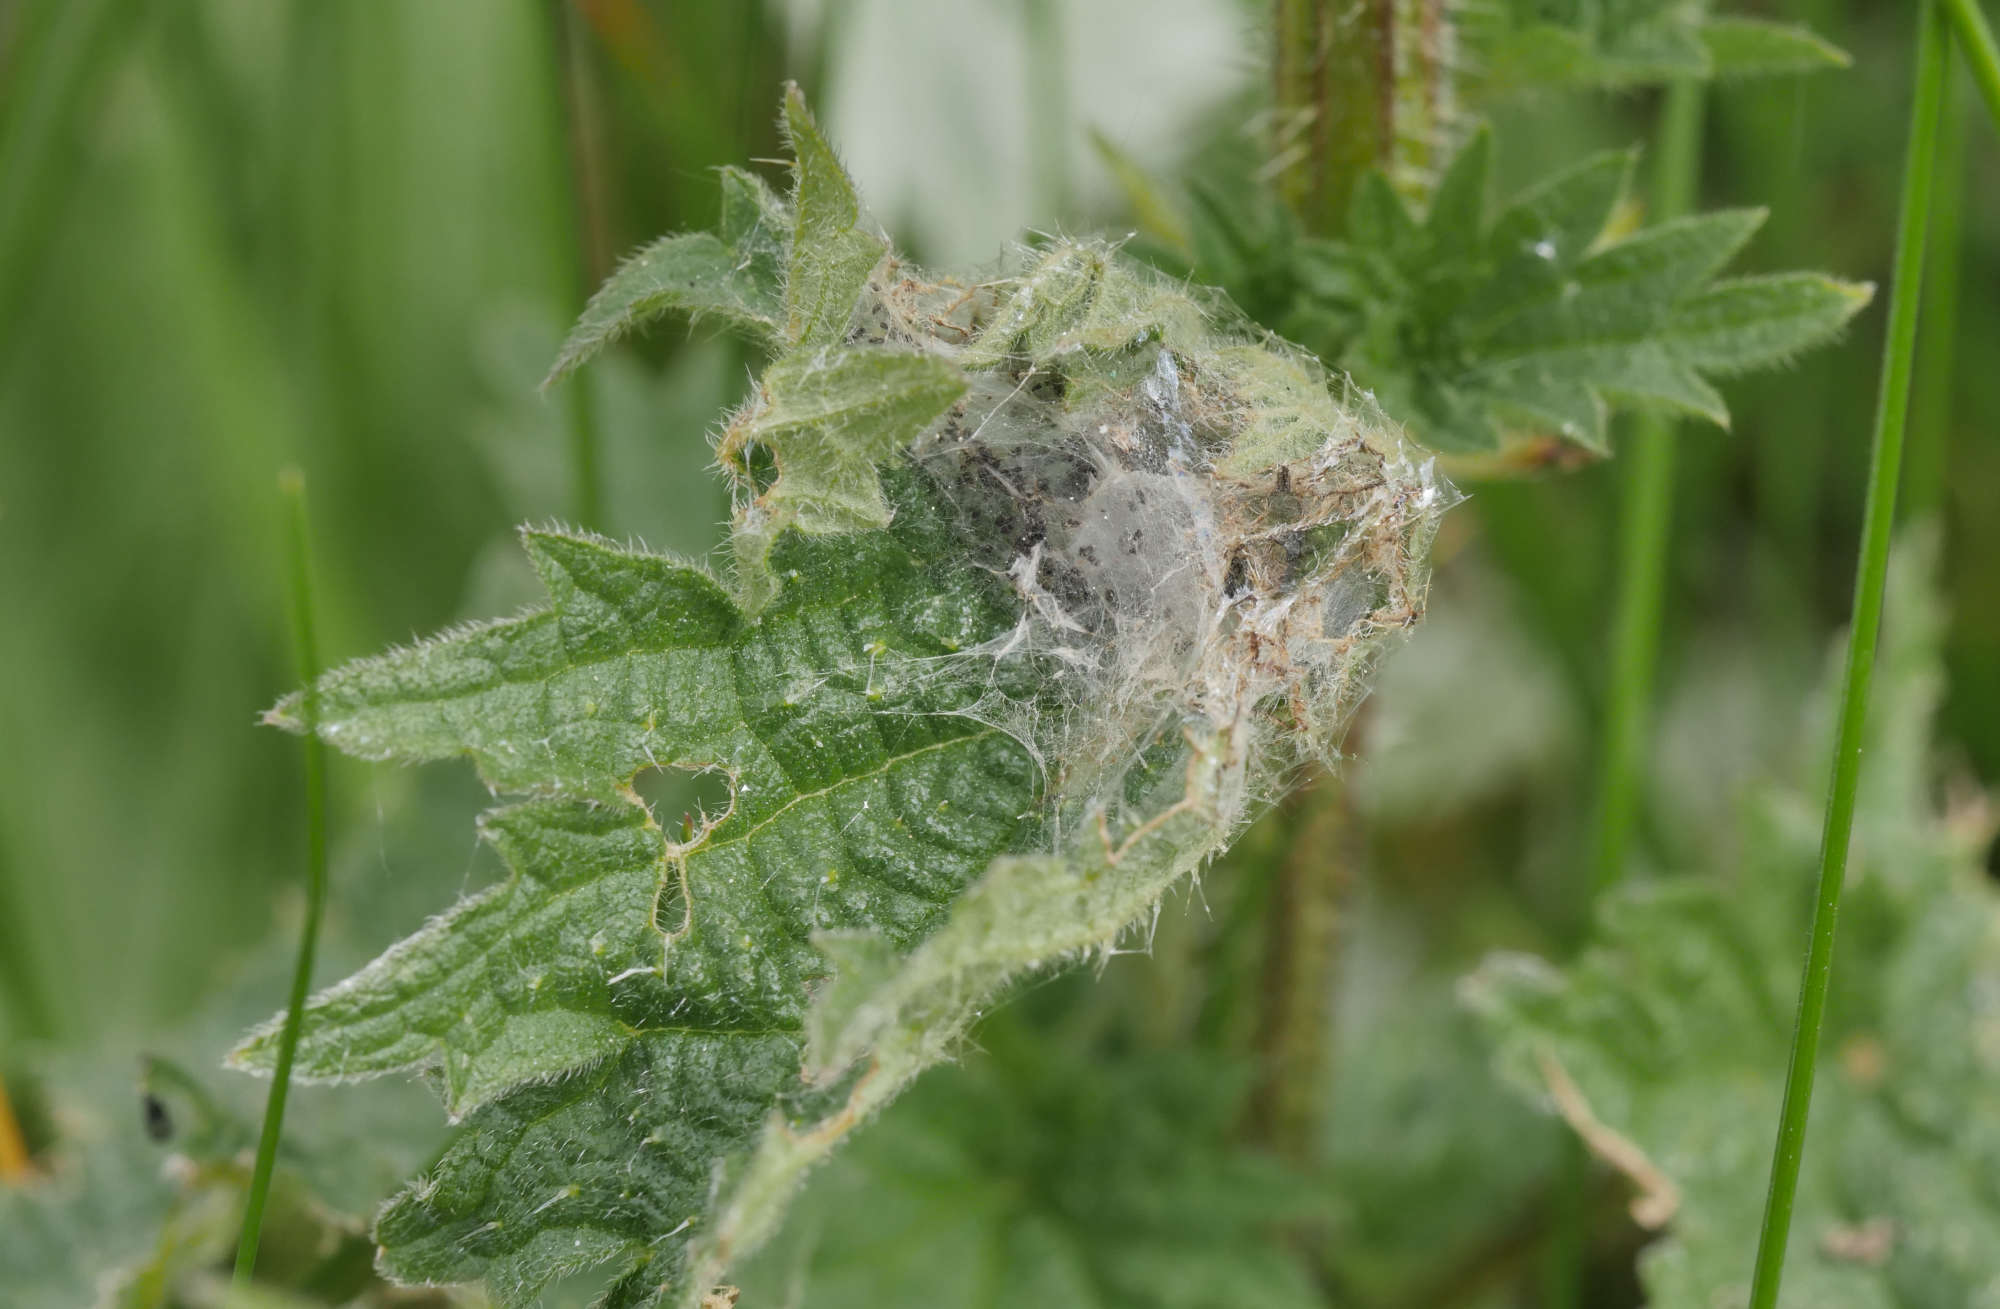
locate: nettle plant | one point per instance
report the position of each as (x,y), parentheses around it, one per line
(1040,585)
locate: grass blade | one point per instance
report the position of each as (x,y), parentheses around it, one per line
(1982,55)
(1928,458)
(292,486)
(580,250)
(1647,463)
(1648,518)
(1899,349)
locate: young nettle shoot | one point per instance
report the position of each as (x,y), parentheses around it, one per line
(1040,585)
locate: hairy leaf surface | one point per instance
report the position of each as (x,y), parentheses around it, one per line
(1539,319)
(1527,43)
(1040,585)
(1663,1045)
(1036,1176)
(735,273)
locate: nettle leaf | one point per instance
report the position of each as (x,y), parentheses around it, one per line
(1040,585)
(1039,1176)
(1528,43)
(1538,321)
(1663,1045)
(735,273)
(140,1174)
(1755,47)
(827,419)
(832,254)
(783,274)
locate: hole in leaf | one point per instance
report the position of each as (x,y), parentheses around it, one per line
(684,801)
(760,466)
(670,905)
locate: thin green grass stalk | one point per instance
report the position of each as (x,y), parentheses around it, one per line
(1648,466)
(291,486)
(580,253)
(1871,573)
(1648,463)
(1930,440)
(1982,55)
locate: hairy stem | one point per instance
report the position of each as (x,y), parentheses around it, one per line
(1301,937)
(1643,543)
(1356,84)
(1932,69)
(306,649)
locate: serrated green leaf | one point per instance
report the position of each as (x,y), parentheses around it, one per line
(832,254)
(1377,219)
(1537,322)
(1610,296)
(1034,1176)
(604,1164)
(828,419)
(1534,43)
(1051,302)
(1663,1044)
(630,667)
(1567,211)
(736,274)
(607,931)
(1747,323)
(1458,203)
(649,960)
(1528,43)
(998,668)
(1525,44)
(1753,47)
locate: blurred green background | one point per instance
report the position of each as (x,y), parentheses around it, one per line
(242,234)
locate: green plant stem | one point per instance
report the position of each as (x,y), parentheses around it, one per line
(581,253)
(1878,519)
(1930,438)
(1982,55)
(305,646)
(1648,466)
(1648,463)
(1331,69)
(1300,958)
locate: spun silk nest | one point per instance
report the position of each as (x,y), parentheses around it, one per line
(1212,541)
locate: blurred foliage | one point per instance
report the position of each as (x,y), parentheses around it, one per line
(1655,1043)
(240,233)
(1530,322)
(1092,1176)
